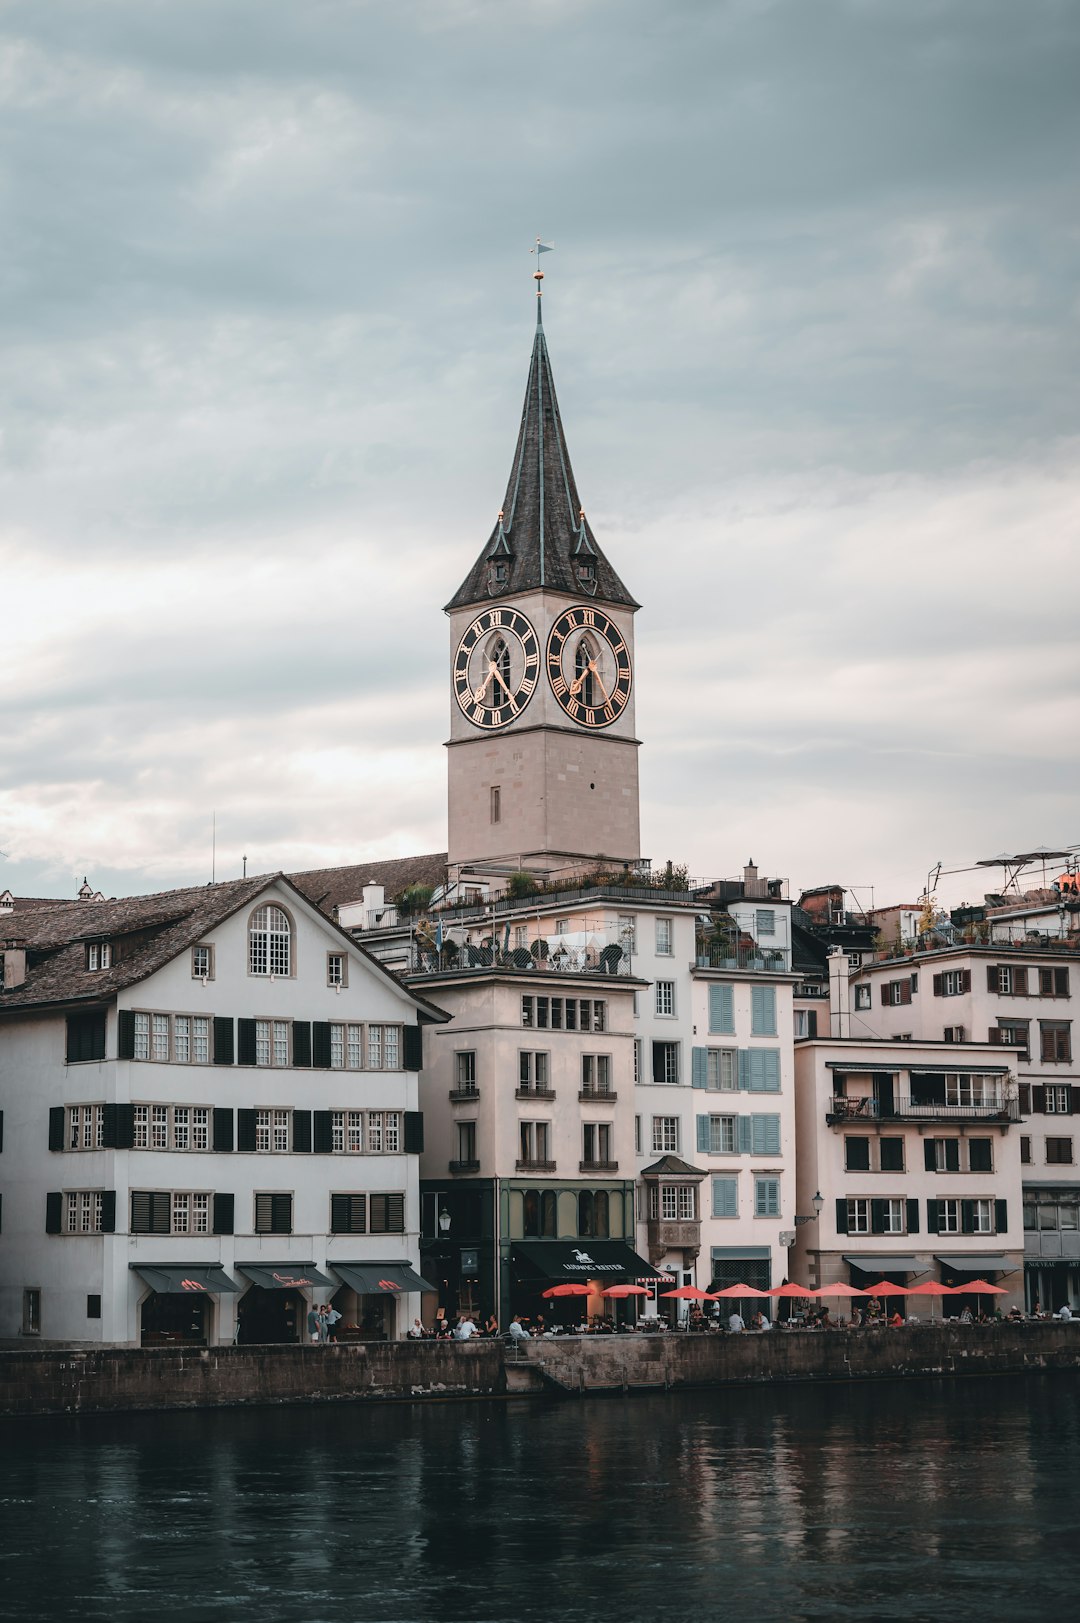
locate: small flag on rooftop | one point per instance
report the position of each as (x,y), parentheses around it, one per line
(542,248)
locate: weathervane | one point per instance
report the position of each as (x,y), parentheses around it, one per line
(538,275)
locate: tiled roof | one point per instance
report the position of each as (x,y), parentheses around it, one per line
(541,535)
(671,1166)
(334,887)
(25,904)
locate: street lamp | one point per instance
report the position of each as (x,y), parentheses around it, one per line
(444,1221)
(817,1202)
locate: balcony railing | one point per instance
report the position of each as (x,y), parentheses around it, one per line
(551,955)
(845,1110)
(724,956)
(663,1233)
(464,1166)
(607,1096)
(534,1093)
(534,1166)
(459,1096)
(598,1166)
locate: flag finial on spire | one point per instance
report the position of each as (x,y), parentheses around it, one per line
(538,275)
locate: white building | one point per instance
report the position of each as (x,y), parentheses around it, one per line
(210,1113)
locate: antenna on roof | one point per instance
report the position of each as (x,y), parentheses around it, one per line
(245,865)
(213,849)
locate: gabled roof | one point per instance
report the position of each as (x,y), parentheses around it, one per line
(328,888)
(671,1166)
(541,532)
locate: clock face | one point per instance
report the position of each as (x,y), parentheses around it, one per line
(588,665)
(496,667)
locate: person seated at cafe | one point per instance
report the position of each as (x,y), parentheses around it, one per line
(760,1322)
(1064,1312)
(416,1332)
(1015,1314)
(965,1315)
(895,1319)
(735,1322)
(491,1325)
(518,1331)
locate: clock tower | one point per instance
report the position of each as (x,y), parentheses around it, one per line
(543,770)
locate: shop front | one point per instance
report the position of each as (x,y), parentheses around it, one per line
(275,1306)
(869,1268)
(995,1268)
(179,1307)
(368,1298)
(537,1266)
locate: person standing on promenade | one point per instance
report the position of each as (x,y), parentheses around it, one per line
(314,1323)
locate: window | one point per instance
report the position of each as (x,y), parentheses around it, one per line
(665,1063)
(346,1046)
(982,1217)
(564,1014)
(384,1048)
(183,1039)
(663,938)
(93,1307)
(856,1155)
(862,997)
(539,1216)
(86,1127)
(336,969)
(82,1211)
(1055,1042)
(972,1090)
(269,945)
(596,1143)
(521,936)
(725,1197)
(946,1154)
(1059,1152)
(1057,1100)
(348,1214)
(721,1070)
(85,1037)
(719,1135)
(628,932)
(892,1216)
(495,803)
(466,1143)
(954,1034)
(347,1132)
(202,963)
(272,1042)
(805,1022)
(665,997)
(273,1130)
(273,1213)
(533,1072)
(99,955)
(1053,982)
(891,1154)
(170,1127)
(387,1214)
(858,1217)
(763,1011)
(637,1135)
(952,983)
(534,1137)
(948,1216)
(595,1074)
(767,1197)
(31,1312)
(562,926)
(1011,1033)
(674,1202)
(765,922)
(1005,979)
(465,1070)
(384,1132)
(980,1155)
(157,1211)
(665,1135)
(638,1060)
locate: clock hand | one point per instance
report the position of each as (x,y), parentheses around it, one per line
(482,689)
(599,681)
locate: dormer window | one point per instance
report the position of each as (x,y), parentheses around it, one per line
(269,942)
(99,955)
(498,575)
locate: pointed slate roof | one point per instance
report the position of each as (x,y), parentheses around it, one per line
(541,534)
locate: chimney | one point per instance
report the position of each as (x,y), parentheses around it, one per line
(839,994)
(14,965)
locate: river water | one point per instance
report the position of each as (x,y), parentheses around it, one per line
(929,1501)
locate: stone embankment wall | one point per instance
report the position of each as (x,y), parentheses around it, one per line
(54,1380)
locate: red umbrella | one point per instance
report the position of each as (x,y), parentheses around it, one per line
(566,1290)
(846,1291)
(979,1287)
(790,1292)
(689,1293)
(625,1290)
(731,1291)
(931,1288)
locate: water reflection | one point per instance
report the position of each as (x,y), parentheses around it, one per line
(873,1501)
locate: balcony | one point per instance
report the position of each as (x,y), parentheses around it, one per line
(534,1093)
(579,953)
(534,1166)
(464,1166)
(598,1166)
(844,1110)
(460,1096)
(725,956)
(665,1234)
(605,1096)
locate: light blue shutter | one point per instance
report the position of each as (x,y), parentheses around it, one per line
(699,1067)
(766,1197)
(757,1134)
(721,1008)
(763,1011)
(771,1072)
(744,1067)
(725,1197)
(745,1139)
(703,1134)
(756,1070)
(766,1135)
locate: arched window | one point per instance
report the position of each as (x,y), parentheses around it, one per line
(499,655)
(531,1224)
(269,942)
(585,1214)
(600,1214)
(547,1214)
(587,691)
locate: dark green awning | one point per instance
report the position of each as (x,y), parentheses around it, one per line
(979,1265)
(186,1279)
(283,1276)
(381,1278)
(592,1259)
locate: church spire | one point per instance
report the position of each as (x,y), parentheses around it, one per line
(542,538)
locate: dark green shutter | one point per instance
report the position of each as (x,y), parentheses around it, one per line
(245,1130)
(929,1155)
(245,1042)
(841,1216)
(912,1216)
(118,1127)
(281,1214)
(322,1136)
(301,1044)
(54,1211)
(301,1131)
(877,1217)
(967,1217)
(223,1213)
(1001,1216)
(108,1211)
(320,1045)
(1,1132)
(223,1128)
(1038,1100)
(125,1034)
(223,1039)
(932,1218)
(56,1127)
(414,1130)
(339,1214)
(413,1049)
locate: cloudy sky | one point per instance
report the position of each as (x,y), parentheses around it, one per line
(265,322)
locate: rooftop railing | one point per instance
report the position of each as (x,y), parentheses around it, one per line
(848,1110)
(551,955)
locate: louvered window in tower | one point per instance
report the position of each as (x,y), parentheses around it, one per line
(584,663)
